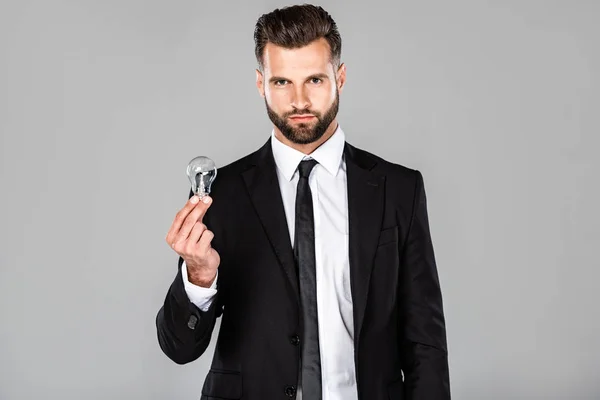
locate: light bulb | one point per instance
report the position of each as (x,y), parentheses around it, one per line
(201,172)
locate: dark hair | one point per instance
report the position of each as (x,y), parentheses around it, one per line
(294,27)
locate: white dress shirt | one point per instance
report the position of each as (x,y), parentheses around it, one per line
(327,182)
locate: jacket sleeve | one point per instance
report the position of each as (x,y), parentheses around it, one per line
(422,324)
(184,331)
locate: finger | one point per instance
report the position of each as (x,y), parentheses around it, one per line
(205,240)
(196,232)
(180,218)
(194,216)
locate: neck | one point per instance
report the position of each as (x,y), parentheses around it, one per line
(309,147)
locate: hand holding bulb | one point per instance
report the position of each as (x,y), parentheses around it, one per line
(188,235)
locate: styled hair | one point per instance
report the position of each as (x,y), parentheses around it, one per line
(297,26)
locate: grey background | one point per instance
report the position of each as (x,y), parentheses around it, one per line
(103,103)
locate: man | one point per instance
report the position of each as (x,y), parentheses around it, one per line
(318,259)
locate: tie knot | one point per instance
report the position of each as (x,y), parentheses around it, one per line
(305,167)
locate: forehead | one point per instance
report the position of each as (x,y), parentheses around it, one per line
(312,58)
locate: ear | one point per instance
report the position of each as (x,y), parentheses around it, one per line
(341,76)
(260,83)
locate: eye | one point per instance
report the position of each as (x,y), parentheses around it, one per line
(280,82)
(316,80)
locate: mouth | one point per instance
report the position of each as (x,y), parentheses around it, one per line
(302,118)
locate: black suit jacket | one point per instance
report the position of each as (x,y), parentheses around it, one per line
(400,349)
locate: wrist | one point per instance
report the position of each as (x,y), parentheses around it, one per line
(202,279)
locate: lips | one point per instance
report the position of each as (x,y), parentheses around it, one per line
(302,117)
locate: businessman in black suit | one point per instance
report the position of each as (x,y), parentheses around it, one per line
(316,255)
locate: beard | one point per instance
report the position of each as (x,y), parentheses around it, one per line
(304,133)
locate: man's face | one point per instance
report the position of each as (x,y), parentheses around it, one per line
(301,89)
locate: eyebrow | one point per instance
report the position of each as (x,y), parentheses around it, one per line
(281,78)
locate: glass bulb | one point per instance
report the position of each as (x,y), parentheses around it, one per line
(201,172)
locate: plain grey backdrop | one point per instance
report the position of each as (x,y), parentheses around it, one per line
(103,103)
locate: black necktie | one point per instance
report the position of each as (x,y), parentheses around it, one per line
(304,251)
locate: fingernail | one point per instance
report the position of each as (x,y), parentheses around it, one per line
(194,199)
(206,199)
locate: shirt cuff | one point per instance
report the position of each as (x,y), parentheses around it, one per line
(200,296)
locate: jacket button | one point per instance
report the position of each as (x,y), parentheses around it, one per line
(290,391)
(192,322)
(295,340)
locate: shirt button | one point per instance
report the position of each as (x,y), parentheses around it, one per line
(295,340)
(290,391)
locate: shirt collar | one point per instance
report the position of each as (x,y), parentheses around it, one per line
(329,154)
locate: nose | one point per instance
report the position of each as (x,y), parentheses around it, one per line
(300,101)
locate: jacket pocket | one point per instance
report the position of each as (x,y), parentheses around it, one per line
(389,235)
(223,385)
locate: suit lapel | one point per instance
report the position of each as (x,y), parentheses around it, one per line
(365,214)
(263,188)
